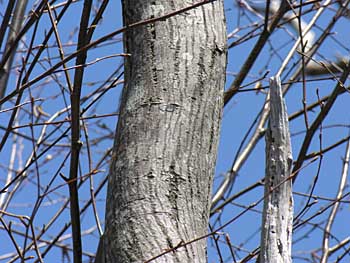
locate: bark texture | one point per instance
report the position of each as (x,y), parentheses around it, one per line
(166,142)
(276,234)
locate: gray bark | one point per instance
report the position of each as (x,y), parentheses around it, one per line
(167,135)
(14,28)
(276,234)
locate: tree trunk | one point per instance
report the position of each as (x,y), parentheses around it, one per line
(277,226)
(167,135)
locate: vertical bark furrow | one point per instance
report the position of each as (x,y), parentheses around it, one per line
(167,135)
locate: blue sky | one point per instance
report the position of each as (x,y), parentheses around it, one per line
(238,116)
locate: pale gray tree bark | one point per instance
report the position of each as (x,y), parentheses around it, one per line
(277,227)
(167,135)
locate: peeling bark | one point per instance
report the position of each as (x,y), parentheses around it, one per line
(276,234)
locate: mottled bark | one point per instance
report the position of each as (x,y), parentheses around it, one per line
(167,136)
(276,234)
